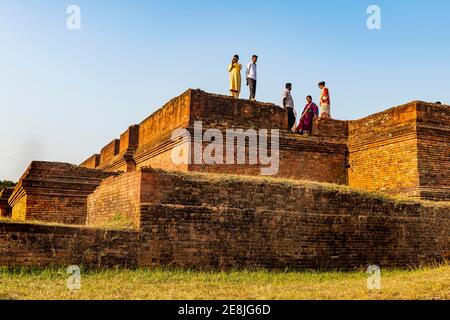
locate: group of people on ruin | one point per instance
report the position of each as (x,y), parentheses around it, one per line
(310,112)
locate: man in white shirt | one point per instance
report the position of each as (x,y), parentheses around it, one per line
(288,103)
(251,77)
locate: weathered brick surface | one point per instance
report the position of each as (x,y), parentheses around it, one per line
(433,131)
(404,150)
(55,192)
(30,245)
(5,209)
(129,140)
(109,152)
(314,238)
(306,158)
(92,162)
(196,222)
(322,157)
(225,112)
(215,221)
(116,196)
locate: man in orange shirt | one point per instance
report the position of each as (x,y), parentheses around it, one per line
(325,103)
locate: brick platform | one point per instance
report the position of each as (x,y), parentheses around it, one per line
(322,157)
(402,151)
(55,192)
(5,209)
(226,222)
(31,245)
(230,220)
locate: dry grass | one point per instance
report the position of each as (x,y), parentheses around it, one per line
(423,284)
(40,223)
(117,222)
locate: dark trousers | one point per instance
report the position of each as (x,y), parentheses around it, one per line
(252,87)
(291,117)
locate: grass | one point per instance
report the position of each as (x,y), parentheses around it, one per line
(50,284)
(117,222)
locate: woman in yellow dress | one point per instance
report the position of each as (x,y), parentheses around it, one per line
(235,77)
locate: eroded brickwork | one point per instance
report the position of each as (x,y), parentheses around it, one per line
(92,162)
(320,236)
(216,221)
(5,209)
(55,192)
(109,152)
(31,245)
(228,222)
(433,147)
(116,196)
(402,151)
(299,157)
(219,222)
(322,157)
(383,152)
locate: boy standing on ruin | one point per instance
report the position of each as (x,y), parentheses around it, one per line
(251,77)
(288,103)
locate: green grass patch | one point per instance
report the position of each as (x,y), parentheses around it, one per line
(117,222)
(159,284)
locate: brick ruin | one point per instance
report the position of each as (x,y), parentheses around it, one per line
(224,216)
(402,151)
(54,192)
(5,208)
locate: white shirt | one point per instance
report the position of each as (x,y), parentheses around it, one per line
(251,71)
(289,101)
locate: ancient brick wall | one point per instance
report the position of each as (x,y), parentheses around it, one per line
(54,192)
(30,245)
(322,157)
(116,196)
(238,223)
(92,162)
(19,208)
(216,111)
(299,157)
(175,114)
(160,155)
(383,152)
(5,209)
(129,139)
(109,152)
(433,131)
(402,151)
(228,222)
(118,156)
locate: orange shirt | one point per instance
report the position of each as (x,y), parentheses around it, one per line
(325,97)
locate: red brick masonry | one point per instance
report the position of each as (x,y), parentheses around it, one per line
(32,245)
(192,220)
(5,209)
(200,221)
(402,151)
(219,222)
(55,192)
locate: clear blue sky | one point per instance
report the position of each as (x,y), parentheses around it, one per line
(65,94)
